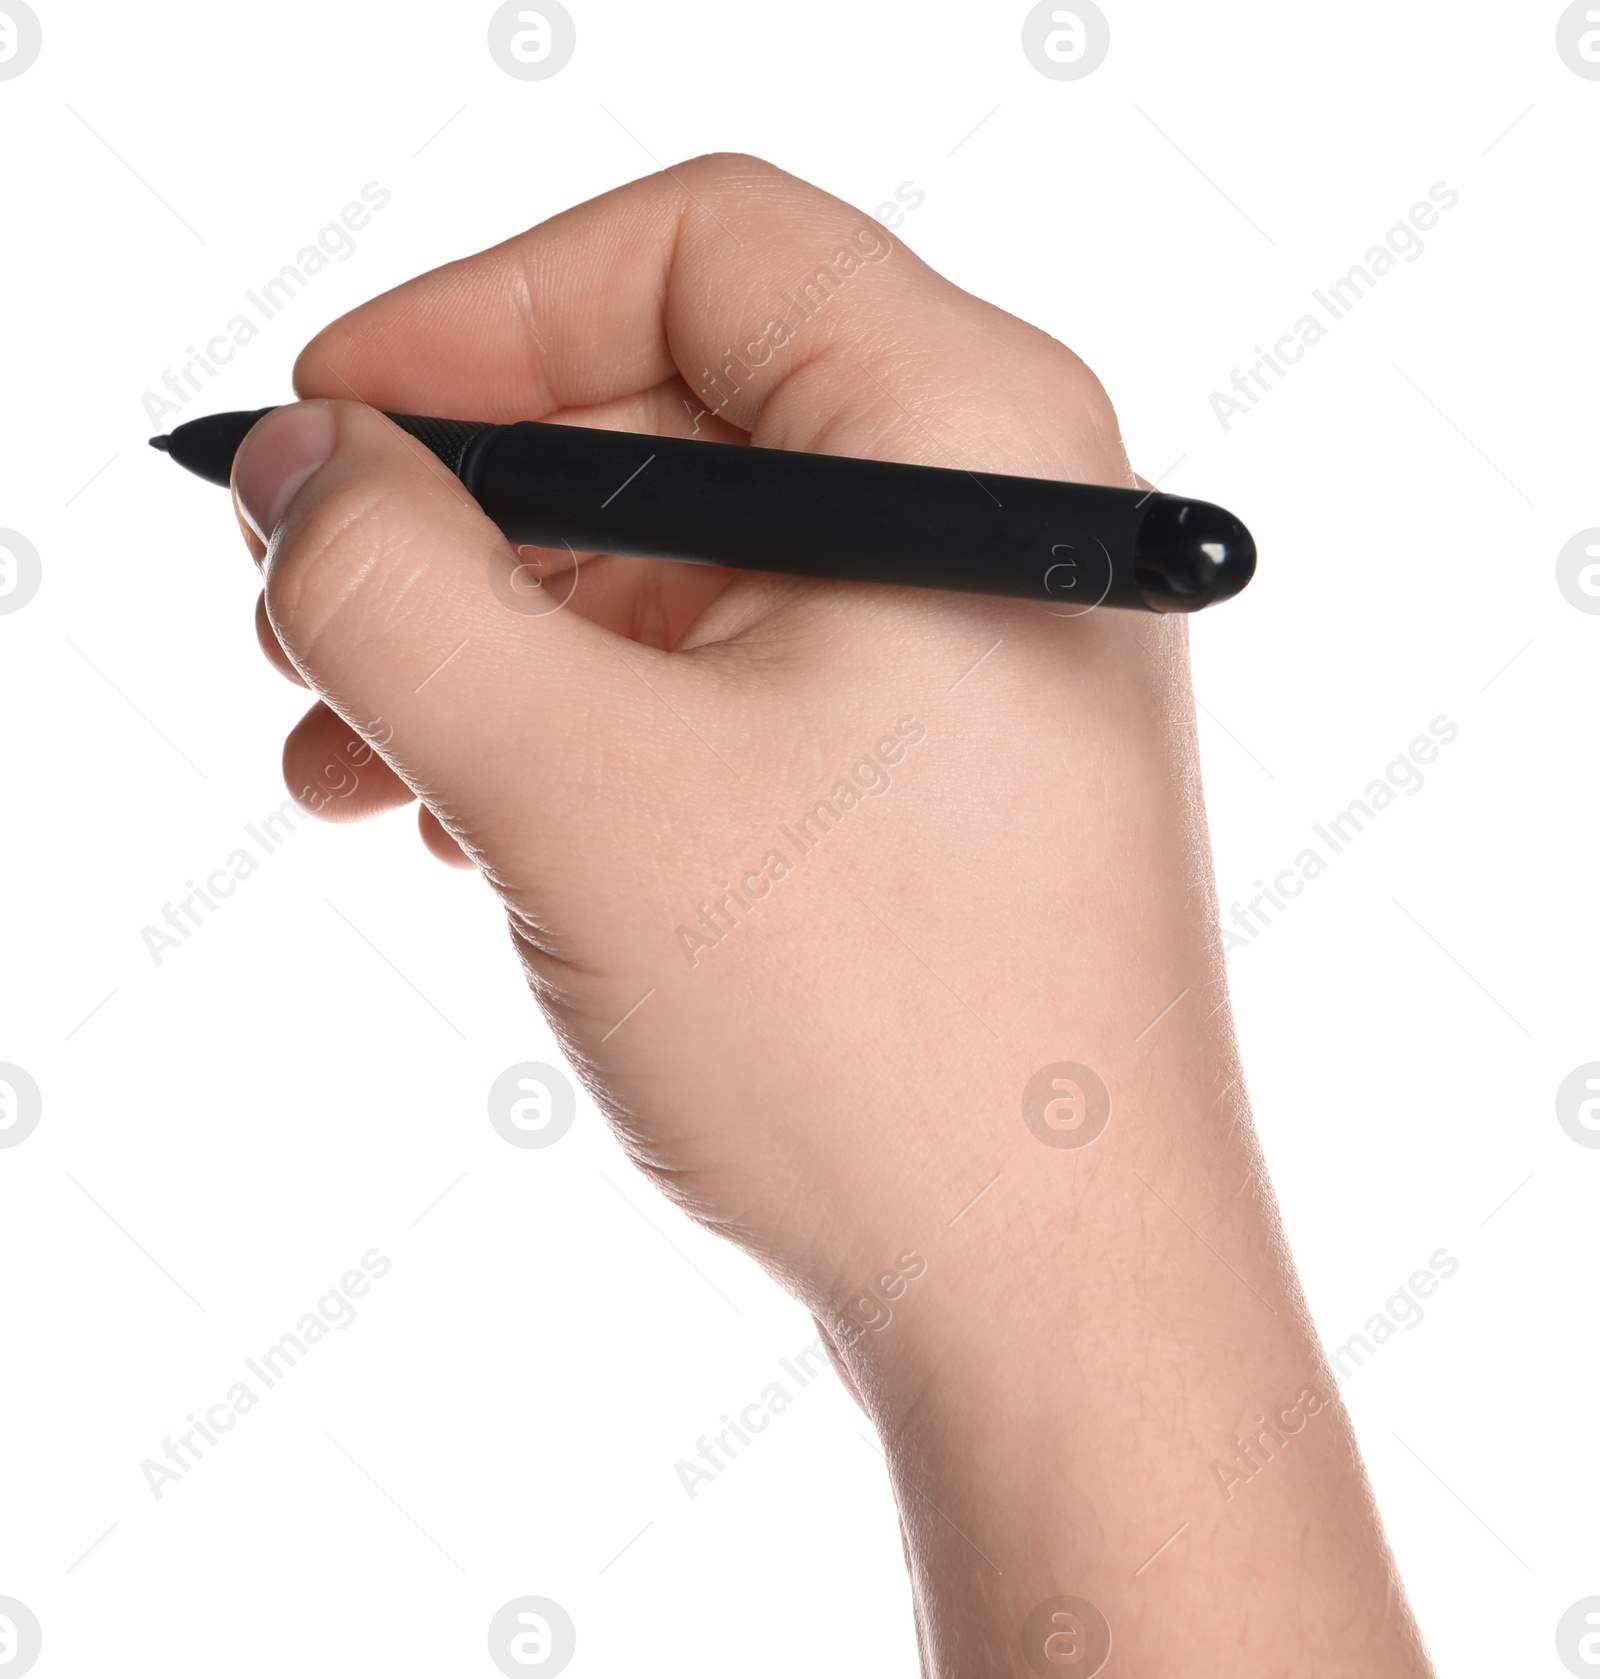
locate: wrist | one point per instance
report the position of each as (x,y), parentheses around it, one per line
(984,1291)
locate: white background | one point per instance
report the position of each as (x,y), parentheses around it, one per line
(277,1097)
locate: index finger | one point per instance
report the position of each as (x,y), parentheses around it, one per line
(792,315)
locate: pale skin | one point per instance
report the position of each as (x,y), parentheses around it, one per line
(833,1076)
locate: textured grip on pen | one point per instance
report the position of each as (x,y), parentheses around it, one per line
(448,439)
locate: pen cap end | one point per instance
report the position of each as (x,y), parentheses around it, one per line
(1190,554)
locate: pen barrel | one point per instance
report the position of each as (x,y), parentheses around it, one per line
(809,515)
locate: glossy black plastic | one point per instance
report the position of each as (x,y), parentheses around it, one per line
(1190,554)
(1076,545)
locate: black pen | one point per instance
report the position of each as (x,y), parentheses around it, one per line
(667,498)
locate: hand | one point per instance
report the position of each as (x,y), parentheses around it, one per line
(656,746)
(813,878)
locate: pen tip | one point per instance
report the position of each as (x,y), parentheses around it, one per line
(206,446)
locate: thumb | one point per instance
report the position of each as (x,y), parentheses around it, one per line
(393,595)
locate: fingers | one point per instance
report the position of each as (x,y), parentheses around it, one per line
(271,646)
(440,841)
(378,587)
(788,313)
(792,319)
(335,774)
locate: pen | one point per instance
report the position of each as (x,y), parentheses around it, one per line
(1076,545)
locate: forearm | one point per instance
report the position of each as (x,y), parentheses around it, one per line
(1108,1387)
(1112,1393)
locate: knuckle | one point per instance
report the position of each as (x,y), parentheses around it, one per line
(1068,393)
(733,169)
(760,190)
(1094,400)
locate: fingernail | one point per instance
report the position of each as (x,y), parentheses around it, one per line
(276,458)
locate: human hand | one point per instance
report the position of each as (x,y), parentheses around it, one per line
(656,746)
(816,1036)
